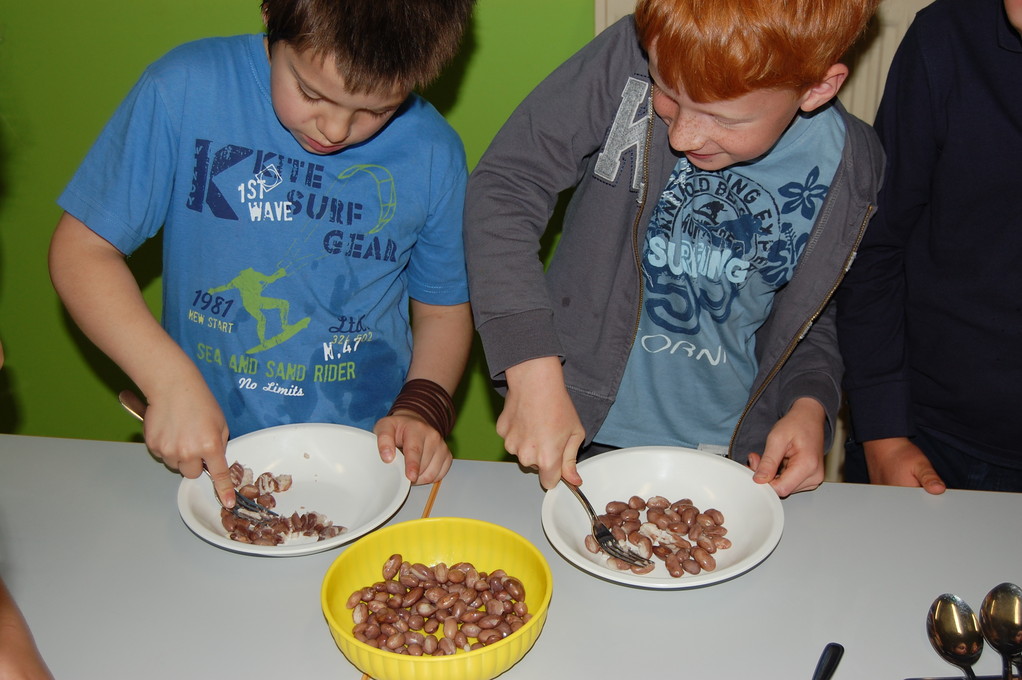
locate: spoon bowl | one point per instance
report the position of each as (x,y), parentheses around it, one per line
(1000,619)
(954,632)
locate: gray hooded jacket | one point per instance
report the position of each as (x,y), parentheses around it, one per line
(590,127)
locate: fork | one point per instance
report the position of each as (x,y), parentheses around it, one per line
(134,405)
(603,536)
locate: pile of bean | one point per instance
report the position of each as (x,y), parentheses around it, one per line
(678,533)
(438,610)
(244,527)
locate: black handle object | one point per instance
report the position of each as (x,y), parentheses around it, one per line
(828,662)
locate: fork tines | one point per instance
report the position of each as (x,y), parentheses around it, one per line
(250,505)
(613,548)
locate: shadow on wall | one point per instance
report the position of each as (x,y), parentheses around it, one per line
(9,412)
(146,264)
(443,93)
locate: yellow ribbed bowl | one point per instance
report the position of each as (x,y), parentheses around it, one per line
(437,539)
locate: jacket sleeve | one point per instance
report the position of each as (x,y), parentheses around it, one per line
(814,370)
(871,302)
(541,151)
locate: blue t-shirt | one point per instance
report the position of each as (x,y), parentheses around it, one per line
(718,246)
(286,275)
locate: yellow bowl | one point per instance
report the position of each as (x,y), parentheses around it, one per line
(437,539)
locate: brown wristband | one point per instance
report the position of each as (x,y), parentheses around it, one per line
(429,401)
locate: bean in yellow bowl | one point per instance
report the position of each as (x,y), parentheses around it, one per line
(428,542)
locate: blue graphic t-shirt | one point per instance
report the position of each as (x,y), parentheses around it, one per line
(286,274)
(718,246)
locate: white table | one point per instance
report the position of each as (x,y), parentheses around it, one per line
(114,584)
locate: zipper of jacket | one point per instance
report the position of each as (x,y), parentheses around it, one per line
(802,333)
(643,197)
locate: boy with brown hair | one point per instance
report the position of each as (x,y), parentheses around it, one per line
(720,192)
(307,198)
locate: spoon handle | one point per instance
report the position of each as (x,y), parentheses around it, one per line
(828,662)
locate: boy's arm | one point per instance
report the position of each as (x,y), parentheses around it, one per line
(792,459)
(441,340)
(896,461)
(872,297)
(184,425)
(539,152)
(539,423)
(19,657)
(809,387)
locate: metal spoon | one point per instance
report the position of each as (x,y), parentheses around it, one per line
(954,632)
(828,662)
(1000,619)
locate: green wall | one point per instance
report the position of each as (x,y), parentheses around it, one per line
(62,73)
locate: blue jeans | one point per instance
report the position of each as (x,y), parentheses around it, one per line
(953,459)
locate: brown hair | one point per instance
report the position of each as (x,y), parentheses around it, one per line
(377,44)
(722,49)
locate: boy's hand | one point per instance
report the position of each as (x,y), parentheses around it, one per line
(793,458)
(539,423)
(427,457)
(185,428)
(899,462)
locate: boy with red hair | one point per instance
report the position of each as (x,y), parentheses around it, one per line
(720,192)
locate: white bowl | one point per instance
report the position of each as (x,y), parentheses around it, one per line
(336,471)
(753,514)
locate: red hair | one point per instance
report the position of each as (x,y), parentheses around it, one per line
(721,49)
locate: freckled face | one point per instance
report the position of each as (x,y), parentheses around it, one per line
(715,135)
(312,102)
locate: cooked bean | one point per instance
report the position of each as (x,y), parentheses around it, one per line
(515,588)
(391,566)
(704,558)
(643,569)
(629,514)
(706,543)
(488,637)
(429,644)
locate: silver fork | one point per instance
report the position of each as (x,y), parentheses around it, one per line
(603,535)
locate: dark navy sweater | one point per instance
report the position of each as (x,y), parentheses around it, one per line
(930,315)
